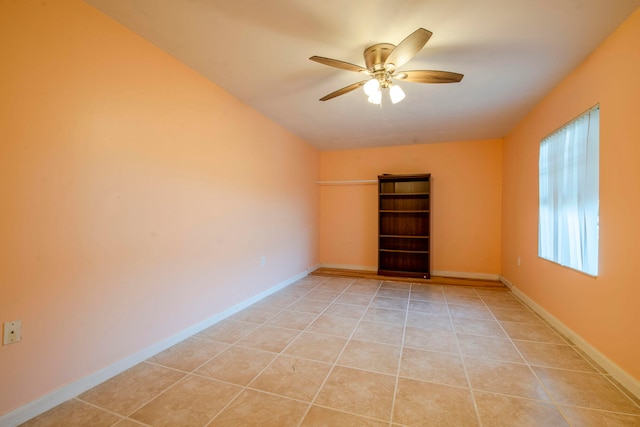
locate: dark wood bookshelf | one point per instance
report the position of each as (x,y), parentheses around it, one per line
(404,223)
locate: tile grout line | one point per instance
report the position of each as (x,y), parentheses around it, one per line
(246,387)
(122,417)
(597,369)
(160,393)
(404,334)
(527,363)
(335,362)
(464,365)
(635,401)
(281,353)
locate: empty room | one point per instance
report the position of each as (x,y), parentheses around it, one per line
(297,213)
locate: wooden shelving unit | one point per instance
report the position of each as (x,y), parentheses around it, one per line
(404,217)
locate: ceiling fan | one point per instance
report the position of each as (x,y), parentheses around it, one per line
(382,62)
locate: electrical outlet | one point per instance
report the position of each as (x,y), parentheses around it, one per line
(263,261)
(12,332)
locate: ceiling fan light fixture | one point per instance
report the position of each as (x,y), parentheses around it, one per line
(396,94)
(382,61)
(371,87)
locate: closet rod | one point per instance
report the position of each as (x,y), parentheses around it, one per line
(349,182)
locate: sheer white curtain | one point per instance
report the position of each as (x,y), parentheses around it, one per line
(569,194)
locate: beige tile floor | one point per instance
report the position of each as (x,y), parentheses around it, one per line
(353,352)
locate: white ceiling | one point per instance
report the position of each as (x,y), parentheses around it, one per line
(511,52)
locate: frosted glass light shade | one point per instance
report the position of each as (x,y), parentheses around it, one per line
(396,94)
(375,97)
(371,87)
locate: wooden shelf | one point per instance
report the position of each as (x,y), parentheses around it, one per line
(403,194)
(403,236)
(404,211)
(401,273)
(404,251)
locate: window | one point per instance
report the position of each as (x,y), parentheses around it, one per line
(569,194)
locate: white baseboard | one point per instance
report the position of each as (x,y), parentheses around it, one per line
(72,390)
(463,275)
(350,267)
(619,374)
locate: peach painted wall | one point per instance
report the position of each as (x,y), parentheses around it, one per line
(466,200)
(603,310)
(136,197)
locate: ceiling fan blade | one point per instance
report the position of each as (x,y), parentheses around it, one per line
(408,48)
(343,90)
(339,64)
(429,76)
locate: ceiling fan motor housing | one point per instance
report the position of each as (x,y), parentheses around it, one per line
(376,55)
